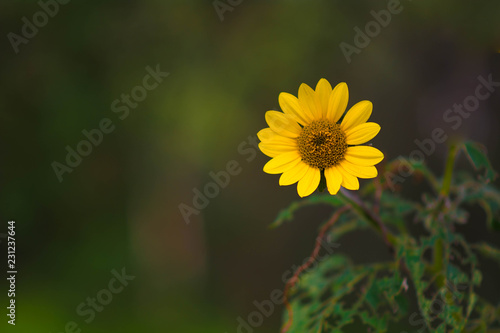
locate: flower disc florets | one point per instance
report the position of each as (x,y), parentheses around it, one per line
(322,144)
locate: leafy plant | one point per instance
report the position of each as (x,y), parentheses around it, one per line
(436,271)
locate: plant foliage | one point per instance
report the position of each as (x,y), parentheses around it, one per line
(431,283)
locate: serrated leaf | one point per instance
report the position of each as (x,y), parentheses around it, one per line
(336,290)
(441,284)
(477,156)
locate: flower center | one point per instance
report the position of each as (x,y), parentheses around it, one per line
(322,144)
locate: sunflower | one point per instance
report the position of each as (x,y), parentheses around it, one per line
(307,139)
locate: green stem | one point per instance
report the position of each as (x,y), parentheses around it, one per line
(441,249)
(367,214)
(438,262)
(448,171)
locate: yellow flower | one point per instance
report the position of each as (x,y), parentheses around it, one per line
(307,138)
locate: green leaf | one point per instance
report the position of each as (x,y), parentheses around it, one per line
(438,268)
(396,204)
(441,282)
(288,213)
(337,293)
(488,251)
(479,159)
(477,277)
(487,197)
(491,207)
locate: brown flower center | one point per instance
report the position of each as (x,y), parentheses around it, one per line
(322,144)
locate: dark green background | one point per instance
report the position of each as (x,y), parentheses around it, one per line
(119,207)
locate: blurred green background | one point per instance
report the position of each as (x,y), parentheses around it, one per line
(119,207)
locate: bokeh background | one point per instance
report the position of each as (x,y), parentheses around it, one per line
(119,208)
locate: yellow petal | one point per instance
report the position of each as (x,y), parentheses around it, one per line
(282,163)
(365,172)
(294,174)
(357,115)
(363,155)
(268,152)
(290,105)
(348,181)
(309,182)
(333,179)
(362,133)
(272,152)
(338,102)
(323,92)
(309,102)
(266,134)
(278,146)
(278,139)
(283,124)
